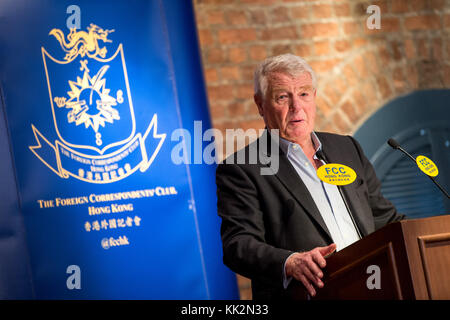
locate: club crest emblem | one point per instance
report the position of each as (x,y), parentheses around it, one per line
(93,112)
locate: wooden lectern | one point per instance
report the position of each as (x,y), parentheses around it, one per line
(413,257)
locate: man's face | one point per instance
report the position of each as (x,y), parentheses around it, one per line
(289,105)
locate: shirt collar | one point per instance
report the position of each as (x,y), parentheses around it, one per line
(287,145)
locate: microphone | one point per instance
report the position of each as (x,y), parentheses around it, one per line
(396,146)
(393,143)
(321,156)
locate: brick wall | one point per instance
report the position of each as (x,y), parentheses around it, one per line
(359,70)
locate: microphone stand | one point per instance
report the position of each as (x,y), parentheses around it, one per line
(394,144)
(320,155)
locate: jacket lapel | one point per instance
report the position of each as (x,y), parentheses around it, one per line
(354,204)
(349,191)
(293,183)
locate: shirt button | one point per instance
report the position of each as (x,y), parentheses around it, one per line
(306,163)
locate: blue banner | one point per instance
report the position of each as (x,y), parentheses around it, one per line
(92,91)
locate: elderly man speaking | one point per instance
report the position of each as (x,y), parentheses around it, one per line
(280,227)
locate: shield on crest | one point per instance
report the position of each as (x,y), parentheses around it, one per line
(93,112)
(90,99)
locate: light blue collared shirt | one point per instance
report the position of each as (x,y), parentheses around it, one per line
(326,196)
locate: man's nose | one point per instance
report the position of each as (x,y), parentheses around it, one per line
(295,103)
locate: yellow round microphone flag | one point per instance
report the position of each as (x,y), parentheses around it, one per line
(427,166)
(336,174)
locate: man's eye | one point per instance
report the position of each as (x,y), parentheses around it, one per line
(282,98)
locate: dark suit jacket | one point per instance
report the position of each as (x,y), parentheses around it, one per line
(265,218)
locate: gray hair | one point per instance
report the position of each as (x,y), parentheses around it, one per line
(285,63)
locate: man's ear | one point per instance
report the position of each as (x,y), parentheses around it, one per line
(259,102)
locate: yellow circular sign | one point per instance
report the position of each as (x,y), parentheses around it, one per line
(427,166)
(336,174)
